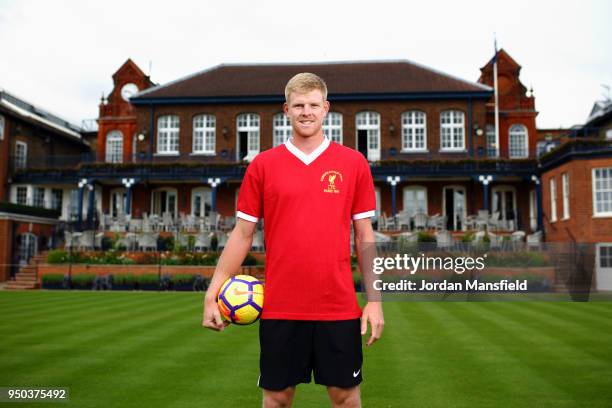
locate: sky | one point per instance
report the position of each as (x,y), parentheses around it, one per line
(60,55)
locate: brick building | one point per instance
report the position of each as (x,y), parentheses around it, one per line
(31,138)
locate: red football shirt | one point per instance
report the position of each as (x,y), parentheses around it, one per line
(307,203)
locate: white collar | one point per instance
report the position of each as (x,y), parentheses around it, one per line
(307,158)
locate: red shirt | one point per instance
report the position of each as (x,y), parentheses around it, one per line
(307,203)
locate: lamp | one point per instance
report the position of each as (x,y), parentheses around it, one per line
(141,137)
(391,129)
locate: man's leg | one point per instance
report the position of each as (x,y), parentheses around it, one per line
(278,399)
(344,397)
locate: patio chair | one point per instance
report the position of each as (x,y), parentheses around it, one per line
(202,242)
(167,222)
(221,239)
(69,241)
(389,223)
(420,221)
(86,241)
(228,223)
(534,239)
(147,241)
(403,219)
(183,240)
(135,225)
(494,223)
(129,241)
(98,240)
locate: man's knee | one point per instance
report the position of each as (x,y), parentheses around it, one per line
(344,397)
(278,399)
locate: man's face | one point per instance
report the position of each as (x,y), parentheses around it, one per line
(306,112)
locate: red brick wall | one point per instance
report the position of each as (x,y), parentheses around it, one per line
(6,249)
(4,160)
(581,225)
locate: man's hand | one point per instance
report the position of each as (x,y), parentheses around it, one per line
(373,313)
(212,317)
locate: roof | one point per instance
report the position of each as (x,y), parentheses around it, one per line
(342,78)
(600,110)
(32,113)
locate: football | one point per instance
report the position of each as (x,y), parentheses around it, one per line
(241,299)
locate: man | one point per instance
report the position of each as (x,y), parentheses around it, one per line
(308,191)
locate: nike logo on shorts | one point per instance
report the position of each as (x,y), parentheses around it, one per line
(356,373)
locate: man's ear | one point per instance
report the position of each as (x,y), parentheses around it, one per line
(326,106)
(286,108)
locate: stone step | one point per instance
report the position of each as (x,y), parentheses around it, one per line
(22,278)
(14,285)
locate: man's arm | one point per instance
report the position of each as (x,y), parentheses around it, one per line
(365,246)
(236,249)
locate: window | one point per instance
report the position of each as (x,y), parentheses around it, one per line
(602,191)
(21,195)
(118,200)
(332,127)
(605,256)
(57,196)
(368,134)
(168,134)
(282,129)
(415,200)
(74,203)
(114,147)
(39,197)
(451,130)
(204,134)
(27,247)
(201,201)
(565,190)
(247,125)
(164,200)
(518,142)
(503,201)
(553,200)
(414,131)
(1,127)
(491,142)
(21,155)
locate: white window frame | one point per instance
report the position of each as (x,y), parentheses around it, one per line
(120,196)
(205,193)
(168,131)
(501,206)
(463,204)
(414,122)
(452,129)
(21,156)
(2,125)
(332,127)
(114,147)
(28,247)
(600,191)
(281,129)
(169,191)
(204,134)
(415,190)
(553,200)
(565,192)
(53,203)
(518,149)
(250,123)
(25,197)
(370,122)
(38,196)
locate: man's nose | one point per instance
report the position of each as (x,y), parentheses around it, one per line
(307,110)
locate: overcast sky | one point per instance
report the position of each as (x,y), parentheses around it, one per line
(61,54)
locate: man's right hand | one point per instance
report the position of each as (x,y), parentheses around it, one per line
(212,316)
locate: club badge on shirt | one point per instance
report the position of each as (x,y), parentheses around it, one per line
(331,180)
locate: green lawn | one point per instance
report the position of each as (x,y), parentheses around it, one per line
(141,349)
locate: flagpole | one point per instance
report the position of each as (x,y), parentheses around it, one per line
(496,101)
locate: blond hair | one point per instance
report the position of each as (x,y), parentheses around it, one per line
(305,82)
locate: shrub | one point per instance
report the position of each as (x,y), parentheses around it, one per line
(124,279)
(57,256)
(467,237)
(182,279)
(425,237)
(52,279)
(147,279)
(83,280)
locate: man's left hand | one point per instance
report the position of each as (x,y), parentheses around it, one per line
(373,313)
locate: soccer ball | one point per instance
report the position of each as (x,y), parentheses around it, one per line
(241,299)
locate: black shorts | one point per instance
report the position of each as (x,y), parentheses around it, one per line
(292,349)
